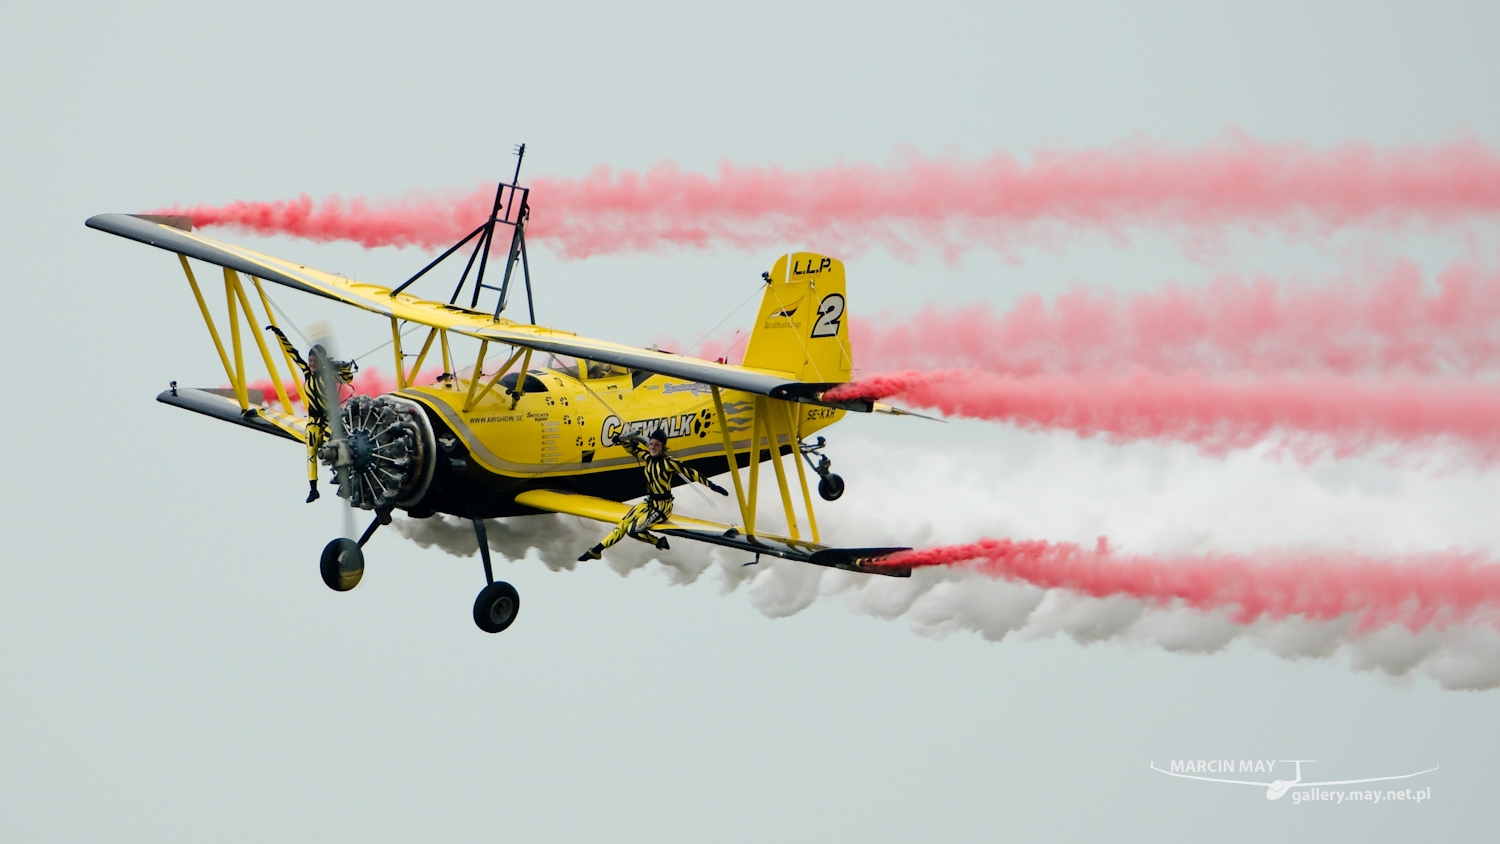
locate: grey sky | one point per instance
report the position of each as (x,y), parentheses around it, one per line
(175,671)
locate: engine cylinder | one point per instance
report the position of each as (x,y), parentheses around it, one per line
(391,449)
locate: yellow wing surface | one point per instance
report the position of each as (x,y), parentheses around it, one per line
(729,536)
(779,376)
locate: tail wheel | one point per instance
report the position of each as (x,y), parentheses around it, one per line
(496,607)
(343,564)
(831,487)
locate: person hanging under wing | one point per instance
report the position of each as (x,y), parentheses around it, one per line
(313,396)
(657,508)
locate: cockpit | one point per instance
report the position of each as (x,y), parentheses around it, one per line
(533,383)
(585,370)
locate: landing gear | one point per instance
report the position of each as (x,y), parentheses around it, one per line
(496,607)
(830,486)
(343,562)
(498,602)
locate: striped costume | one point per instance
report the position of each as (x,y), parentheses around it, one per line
(317,404)
(657,507)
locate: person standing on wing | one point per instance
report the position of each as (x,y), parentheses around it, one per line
(657,508)
(317,403)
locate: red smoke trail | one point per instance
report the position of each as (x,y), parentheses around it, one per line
(1312,413)
(420,219)
(1429,590)
(1390,325)
(919,205)
(367,382)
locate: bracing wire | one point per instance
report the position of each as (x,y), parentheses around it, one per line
(411,326)
(706,334)
(284,318)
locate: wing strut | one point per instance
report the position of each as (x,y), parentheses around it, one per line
(773,439)
(499,373)
(237,303)
(207,319)
(734,465)
(796,429)
(764,419)
(232,278)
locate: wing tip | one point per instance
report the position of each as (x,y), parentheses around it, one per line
(181,222)
(867,560)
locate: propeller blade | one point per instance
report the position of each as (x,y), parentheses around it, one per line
(322,334)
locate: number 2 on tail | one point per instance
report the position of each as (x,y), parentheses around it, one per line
(830,311)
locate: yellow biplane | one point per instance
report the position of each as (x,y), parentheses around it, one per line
(513,437)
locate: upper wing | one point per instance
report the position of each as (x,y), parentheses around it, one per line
(484,326)
(604,510)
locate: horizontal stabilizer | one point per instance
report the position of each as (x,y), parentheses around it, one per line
(714,533)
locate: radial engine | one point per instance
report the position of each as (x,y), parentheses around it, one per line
(390,452)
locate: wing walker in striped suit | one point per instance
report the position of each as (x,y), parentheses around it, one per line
(657,508)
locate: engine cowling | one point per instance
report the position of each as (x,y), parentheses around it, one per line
(391,450)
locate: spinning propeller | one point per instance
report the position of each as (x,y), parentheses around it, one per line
(336,451)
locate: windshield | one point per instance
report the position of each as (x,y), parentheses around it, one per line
(592,369)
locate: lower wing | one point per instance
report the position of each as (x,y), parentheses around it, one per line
(604,510)
(220,404)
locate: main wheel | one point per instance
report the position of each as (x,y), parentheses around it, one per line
(343,564)
(496,606)
(830,487)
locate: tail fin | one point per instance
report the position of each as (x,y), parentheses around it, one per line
(802,328)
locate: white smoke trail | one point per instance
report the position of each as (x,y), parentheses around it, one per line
(556,541)
(1145,498)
